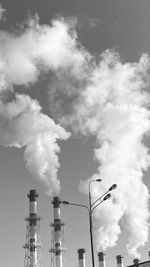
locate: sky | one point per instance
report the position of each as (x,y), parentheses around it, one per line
(74,105)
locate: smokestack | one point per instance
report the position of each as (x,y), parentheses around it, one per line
(33,225)
(57,238)
(101,259)
(81,257)
(136,262)
(119,261)
(32,245)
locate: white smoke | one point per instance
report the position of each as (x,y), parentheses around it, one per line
(110,103)
(36,49)
(24,55)
(113,107)
(22,124)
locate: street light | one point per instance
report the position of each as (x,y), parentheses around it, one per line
(90,220)
(91,208)
(114,186)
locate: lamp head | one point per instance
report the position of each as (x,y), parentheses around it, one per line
(114,186)
(107,197)
(98,180)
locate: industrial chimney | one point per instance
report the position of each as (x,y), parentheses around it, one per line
(32,245)
(57,246)
(136,262)
(119,261)
(101,259)
(81,257)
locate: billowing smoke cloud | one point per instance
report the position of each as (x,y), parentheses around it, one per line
(106,100)
(113,107)
(22,124)
(36,49)
(25,55)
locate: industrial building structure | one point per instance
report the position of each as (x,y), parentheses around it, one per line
(102,261)
(33,255)
(137,263)
(119,261)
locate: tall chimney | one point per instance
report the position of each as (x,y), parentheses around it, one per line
(57,247)
(101,259)
(32,244)
(81,257)
(33,224)
(136,262)
(119,261)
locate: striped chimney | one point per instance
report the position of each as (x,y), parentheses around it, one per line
(57,230)
(119,261)
(33,226)
(136,262)
(101,259)
(81,257)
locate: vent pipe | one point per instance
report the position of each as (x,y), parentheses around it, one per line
(81,257)
(136,262)
(119,261)
(101,259)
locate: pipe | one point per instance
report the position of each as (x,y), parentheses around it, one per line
(81,257)
(33,227)
(101,259)
(119,261)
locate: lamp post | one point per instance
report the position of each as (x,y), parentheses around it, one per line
(90,220)
(91,208)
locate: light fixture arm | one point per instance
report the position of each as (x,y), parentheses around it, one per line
(91,208)
(96,206)
(75,204)
(99,198)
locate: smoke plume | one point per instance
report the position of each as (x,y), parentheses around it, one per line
(25,55)
(107,99)
(35,49)
(114,108)
(22,124)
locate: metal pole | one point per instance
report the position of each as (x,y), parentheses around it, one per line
(91,227)
(90,209)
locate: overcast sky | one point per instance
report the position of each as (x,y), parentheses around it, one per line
(117,25)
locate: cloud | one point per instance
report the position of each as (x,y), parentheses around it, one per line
(114,108)
(22,124)
(103,97)
(24,56)
(36,49)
